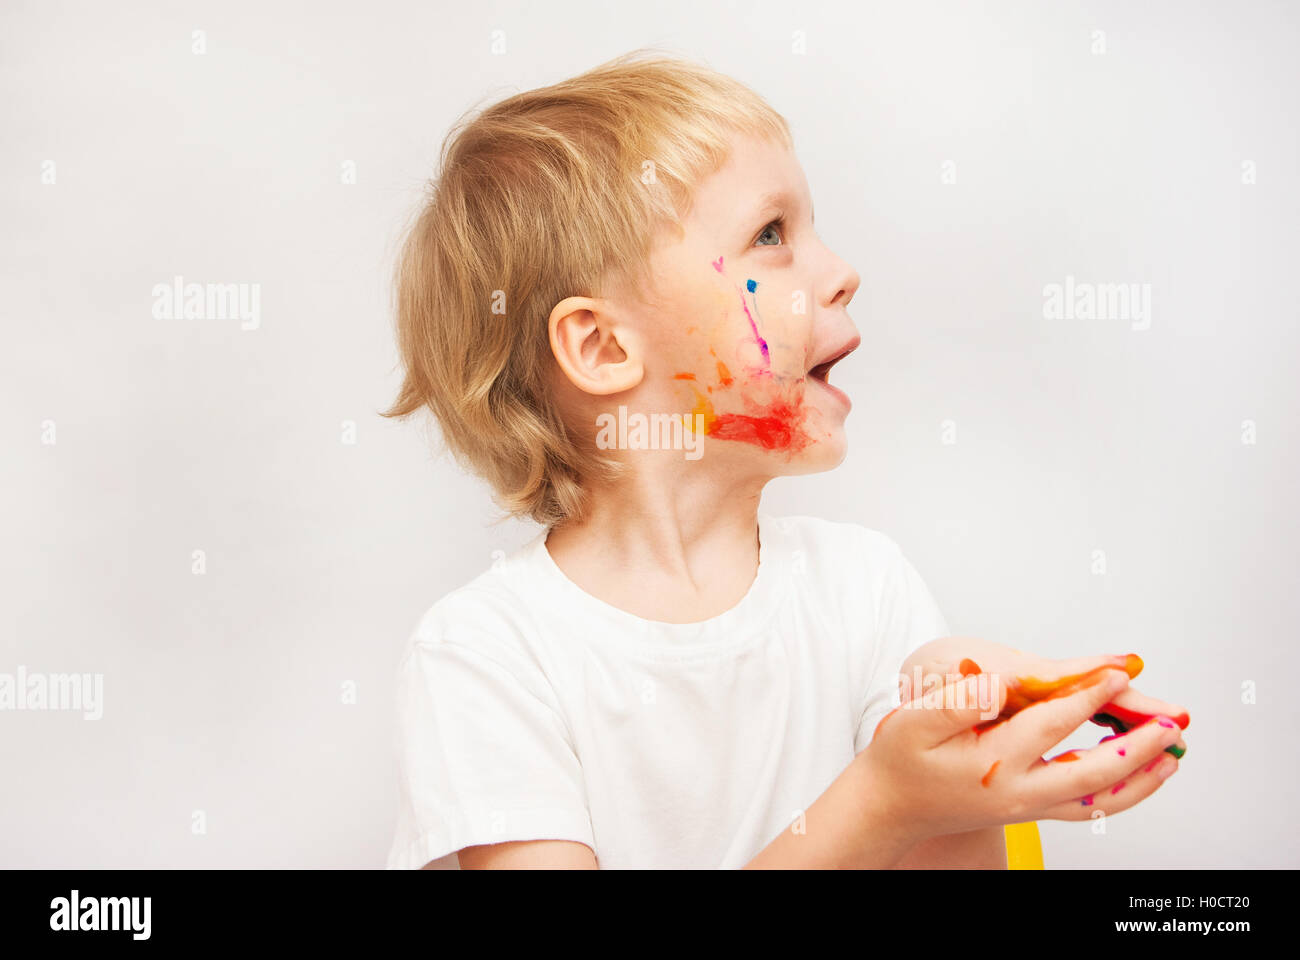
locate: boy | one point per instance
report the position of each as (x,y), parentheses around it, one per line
(667,676)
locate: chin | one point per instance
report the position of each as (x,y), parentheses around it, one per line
(824,453)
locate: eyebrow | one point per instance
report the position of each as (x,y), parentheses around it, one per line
(780,200)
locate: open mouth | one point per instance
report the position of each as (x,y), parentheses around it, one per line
(822,371)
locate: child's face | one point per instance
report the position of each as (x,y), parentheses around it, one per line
(749,310)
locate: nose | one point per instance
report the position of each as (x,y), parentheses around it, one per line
(842,282)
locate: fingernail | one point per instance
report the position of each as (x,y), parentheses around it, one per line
(1176,750)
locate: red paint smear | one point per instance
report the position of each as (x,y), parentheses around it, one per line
(988,777)
(776,431)
(1132,718)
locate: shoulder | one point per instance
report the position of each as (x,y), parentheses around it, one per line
(843,548)
(846,571)
(490,617)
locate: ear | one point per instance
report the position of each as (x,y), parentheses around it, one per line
(598,354)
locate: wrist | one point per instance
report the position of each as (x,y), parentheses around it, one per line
(885,831)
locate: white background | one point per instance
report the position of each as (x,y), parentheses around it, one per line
(223,691)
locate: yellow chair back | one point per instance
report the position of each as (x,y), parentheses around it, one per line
(1024,846)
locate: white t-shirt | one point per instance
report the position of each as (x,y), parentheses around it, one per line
(528,709)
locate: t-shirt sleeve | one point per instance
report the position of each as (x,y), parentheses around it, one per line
(484,755)
(907,617)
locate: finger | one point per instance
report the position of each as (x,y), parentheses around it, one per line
(1130,663)
(1177,749)
(930,673)
(953,709)
(1046,722)
(1091,771)
(1132,708)
(1064,673)
(1117,797)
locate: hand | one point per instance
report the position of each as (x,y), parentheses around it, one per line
(1035,677)
(935,773)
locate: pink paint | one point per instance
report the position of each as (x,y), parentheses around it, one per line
(1147,768)
(1087,801)
(1121,752)
(1165,723)
(762,344)
(1118,787)
(717,264)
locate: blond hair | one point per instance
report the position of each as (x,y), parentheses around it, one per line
(550,193)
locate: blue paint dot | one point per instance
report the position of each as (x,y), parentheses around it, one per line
(750,285)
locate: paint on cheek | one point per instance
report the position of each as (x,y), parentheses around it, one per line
(724,375)
(702,413)
(758,337)
(770,423)
(776,430)
(779,427)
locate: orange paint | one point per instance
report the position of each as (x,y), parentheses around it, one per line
(683,376)
(780,427)
(1023,692)
(724,375)
(988,777)
(1066,757)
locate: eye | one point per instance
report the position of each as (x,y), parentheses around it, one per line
(775,229)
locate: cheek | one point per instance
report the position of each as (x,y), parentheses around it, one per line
(746,383)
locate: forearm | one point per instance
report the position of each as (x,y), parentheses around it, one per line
(846,828)
(984,849)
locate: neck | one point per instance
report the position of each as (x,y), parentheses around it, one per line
(672,545)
